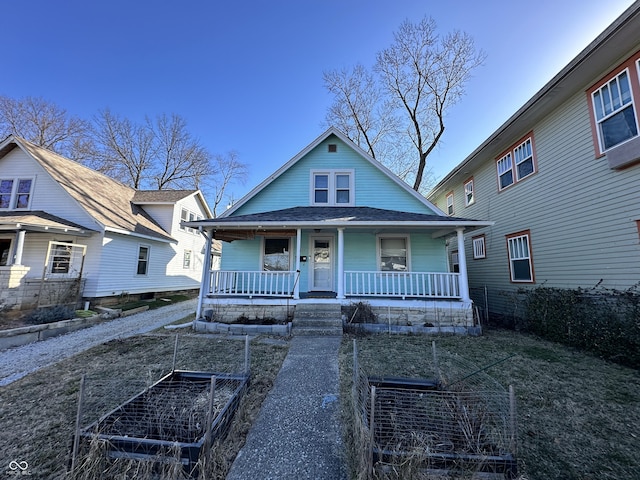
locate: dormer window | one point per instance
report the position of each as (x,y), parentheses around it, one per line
(332,187)
(15,193)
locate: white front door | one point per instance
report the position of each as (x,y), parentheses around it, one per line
(322,264)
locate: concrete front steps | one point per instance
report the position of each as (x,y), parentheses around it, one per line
(317,319)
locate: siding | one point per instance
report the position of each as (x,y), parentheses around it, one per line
(581,214)
(292,187)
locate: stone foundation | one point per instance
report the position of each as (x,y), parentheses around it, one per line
(230,313)
(429,316)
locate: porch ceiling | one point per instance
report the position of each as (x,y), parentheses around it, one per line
(39,221)
(288,220)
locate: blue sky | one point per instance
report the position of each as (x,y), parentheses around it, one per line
(247,75)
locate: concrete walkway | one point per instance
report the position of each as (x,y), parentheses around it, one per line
(297,433)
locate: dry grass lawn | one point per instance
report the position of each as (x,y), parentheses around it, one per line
(38,412)
(578,416)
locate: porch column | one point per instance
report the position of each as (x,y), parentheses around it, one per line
(17,257)
(340,292)
(206,274)
(462,264)
(296,279)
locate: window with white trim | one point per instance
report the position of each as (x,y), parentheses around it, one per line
(393,253)
(332,187)
(450,203)
(15,193)
(469,197)
(143,260)
(5,251)
(276,256)
(517,163)
(615,116)
(520,262)
(188,216)
(186,260)
(479,247)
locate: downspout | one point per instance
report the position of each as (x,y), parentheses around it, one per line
(206,274)
(462,264)
(296,285)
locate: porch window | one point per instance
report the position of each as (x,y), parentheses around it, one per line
(393,254)
(5,251)
(60,258)
(332,187)
(276,256)
(520,264)
(143,260)
(455,261)
(469,197)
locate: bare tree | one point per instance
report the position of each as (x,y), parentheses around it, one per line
(124,151)
(45,124)
(228,169)
(418,78)
(181,162)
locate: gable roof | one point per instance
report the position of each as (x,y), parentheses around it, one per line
(600,55)
(169,197)
(108,201)
(331,131)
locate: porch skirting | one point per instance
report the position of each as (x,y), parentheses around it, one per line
(406,313)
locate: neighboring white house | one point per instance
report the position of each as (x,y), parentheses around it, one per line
(69,231)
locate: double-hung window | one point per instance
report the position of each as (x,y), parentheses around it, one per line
(517,163)
(614,105)
(520,261)
(450,203)
(15,193)
(469,197)
(332,188)
(143,260)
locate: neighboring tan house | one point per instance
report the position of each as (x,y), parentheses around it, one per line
(560,179)
(334,225)
(68,233)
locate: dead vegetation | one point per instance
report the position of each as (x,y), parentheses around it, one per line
(38,412)
(577,415)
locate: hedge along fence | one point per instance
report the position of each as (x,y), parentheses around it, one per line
(605,322)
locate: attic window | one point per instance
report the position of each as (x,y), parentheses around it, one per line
(332,148)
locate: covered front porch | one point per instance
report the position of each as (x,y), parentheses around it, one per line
(339,255)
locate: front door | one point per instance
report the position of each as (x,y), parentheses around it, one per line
(322,264)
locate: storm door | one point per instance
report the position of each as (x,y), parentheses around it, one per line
(322,264)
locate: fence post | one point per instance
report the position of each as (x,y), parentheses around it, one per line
(175,354)
(513,421)
(246,354)
(207,438)
(76,438)
(372,425)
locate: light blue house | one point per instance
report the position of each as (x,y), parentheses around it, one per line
(333,225)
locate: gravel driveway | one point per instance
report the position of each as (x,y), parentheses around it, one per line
(17,362)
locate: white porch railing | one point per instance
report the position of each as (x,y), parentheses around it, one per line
(402,284)
(258,283)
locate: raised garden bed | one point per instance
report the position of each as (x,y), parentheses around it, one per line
(175,412)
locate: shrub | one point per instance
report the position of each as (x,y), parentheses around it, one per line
(50,314)
(360,312)
(605,322)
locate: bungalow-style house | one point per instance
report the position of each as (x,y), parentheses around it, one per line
(560,179)
(69,233)
(334,225)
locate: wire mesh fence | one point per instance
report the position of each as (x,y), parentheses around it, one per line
(455,422)
(169,422)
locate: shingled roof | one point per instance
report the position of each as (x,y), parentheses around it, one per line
(108,201)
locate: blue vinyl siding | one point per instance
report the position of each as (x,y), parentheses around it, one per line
(242,255)
(372,187)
